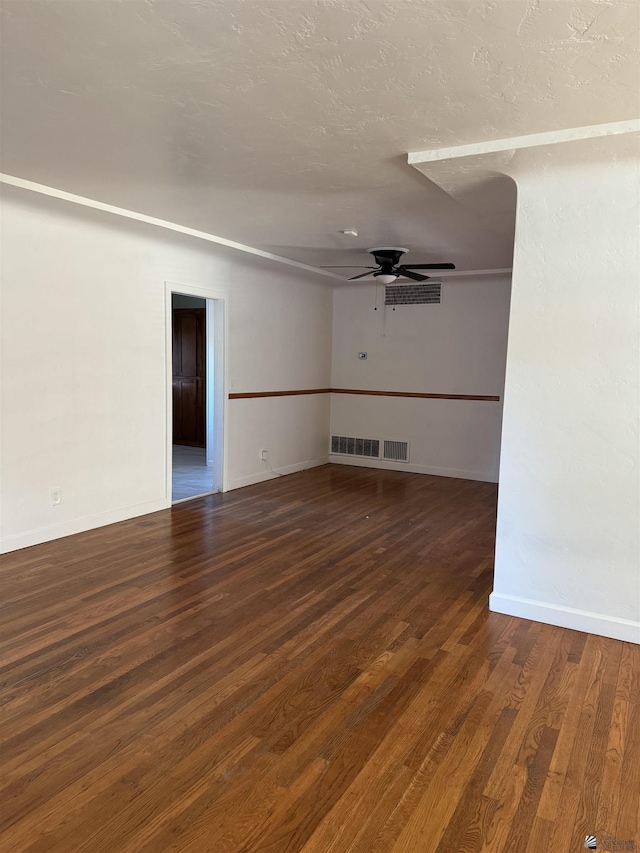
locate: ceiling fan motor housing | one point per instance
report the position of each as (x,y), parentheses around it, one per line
(387,256)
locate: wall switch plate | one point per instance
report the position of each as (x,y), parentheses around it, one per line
(362,355)
(56,496)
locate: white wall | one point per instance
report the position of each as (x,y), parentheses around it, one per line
(457,347)
(83,364)
(569,513)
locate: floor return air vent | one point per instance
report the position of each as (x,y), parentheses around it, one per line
(397,451)
(393,451)
(349,446)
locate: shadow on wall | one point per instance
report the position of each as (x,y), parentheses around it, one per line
(494,197)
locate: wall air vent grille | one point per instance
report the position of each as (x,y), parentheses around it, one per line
(413,294)
(397,451)
(348,446)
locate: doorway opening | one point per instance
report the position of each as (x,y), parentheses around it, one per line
(195,406)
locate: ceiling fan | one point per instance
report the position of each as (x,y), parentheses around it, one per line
(389,269)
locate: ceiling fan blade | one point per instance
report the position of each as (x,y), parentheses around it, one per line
(427,267)
(362,275)
(349,267)
(414,276)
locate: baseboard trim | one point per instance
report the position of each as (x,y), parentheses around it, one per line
(78,525)
(252,479)
(566,617)
(383,464)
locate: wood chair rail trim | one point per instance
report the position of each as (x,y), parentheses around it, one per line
(425,396)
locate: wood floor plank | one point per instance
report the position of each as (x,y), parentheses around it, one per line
(307,665)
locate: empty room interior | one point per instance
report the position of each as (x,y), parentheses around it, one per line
(319,426)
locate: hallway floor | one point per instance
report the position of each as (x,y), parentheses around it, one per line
(191,476)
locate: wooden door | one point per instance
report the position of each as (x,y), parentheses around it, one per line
(189,376)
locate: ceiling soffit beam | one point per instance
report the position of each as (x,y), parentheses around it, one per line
(455,169)
(534,140)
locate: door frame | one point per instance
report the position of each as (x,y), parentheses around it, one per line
(217,381)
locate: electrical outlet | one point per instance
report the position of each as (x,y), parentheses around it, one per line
(263,455)
(56,496)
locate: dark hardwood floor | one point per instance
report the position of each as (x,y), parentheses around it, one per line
(304,665)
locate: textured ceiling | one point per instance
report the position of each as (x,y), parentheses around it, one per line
(277,123)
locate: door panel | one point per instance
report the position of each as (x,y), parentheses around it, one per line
(189,376)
